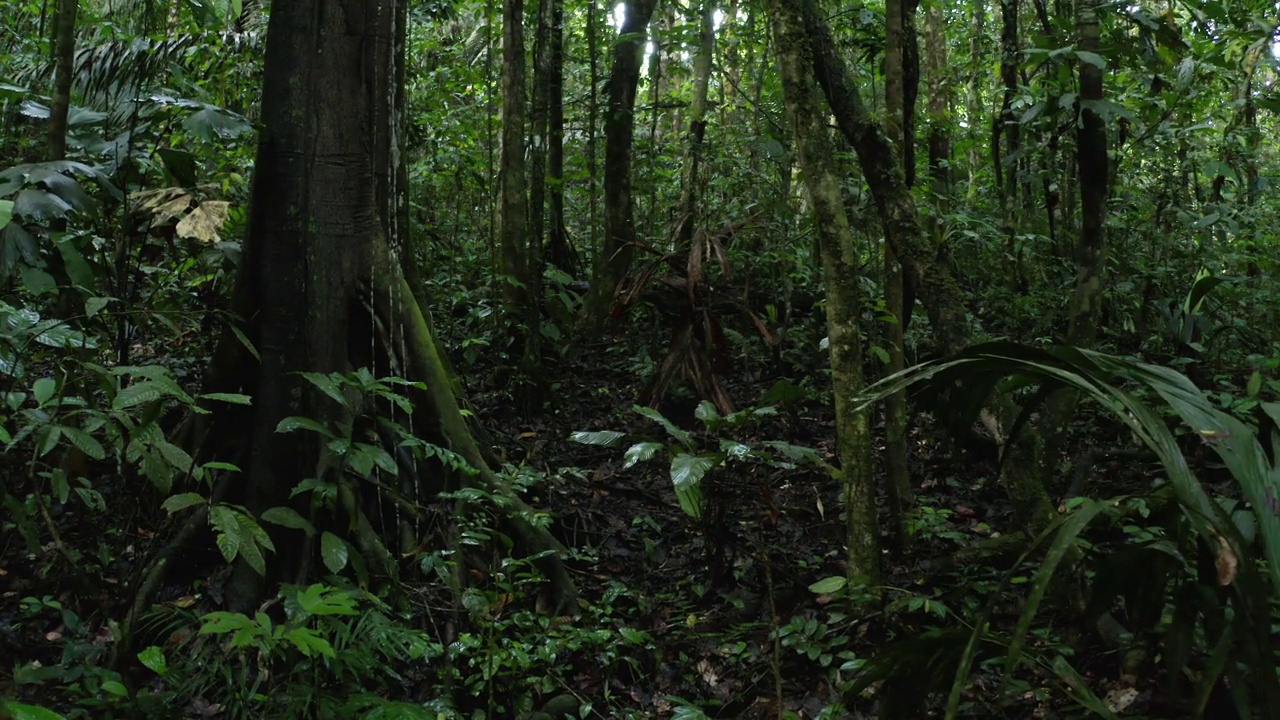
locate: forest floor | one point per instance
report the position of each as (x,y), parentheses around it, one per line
(713,594)
(715,614)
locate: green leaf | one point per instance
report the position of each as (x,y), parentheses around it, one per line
(87,443)
(1093,59)
(30,712)
(309,643)
(138,394)
(287,517)
(181,502)
(95,305)
(681,436)
(153,659)
(334,552)
(329,385)
(706,412)
(6,212)
(604,438)
(294,422)
(232,398)
(244,340)
(43,389)
(115,687)
(687,472)
(826,586)
(640,452)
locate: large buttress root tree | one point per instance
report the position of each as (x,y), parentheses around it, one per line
(322,291)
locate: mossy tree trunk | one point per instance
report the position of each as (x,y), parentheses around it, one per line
(690,174)
(815,154)
(1023,468)
(322,289)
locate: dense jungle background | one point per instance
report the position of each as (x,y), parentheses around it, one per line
(665,358)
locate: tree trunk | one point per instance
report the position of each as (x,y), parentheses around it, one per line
(1022,470)
(973,99)
(687,213)
(897,112)
(519,303)
(883,170)
(325,293)
(619,123)
(64,50)
(1008,127)
(1091,160)
(559,252)
(815,154)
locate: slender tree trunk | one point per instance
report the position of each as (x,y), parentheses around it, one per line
(1091,161)
(895,409)
(559,252)
(1023,475)
(619,123)
(64,51)
(973,100)
(815,154)
(1008,127)
(520,306)
(593,113)
(687,213)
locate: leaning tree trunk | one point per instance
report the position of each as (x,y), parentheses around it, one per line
(835,240)
(323,292)
(1022,469)
(614,259)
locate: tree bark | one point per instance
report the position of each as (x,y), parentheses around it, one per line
(815,153)
(691,177)
(897,113)
(618,248)
(323,288)
(517,280)
(882,167)
(64,51)
(1023,466)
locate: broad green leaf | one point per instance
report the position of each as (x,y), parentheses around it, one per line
(221,623)
(334,552)
(604,438)
(138,394)
(182,501)
(95,305)
(835,583)
(87,443)
(20,711)
(152,659)
(287,517)
(687,472)
(309,643)
(294,422)
(6,212)
(681,436)
(115,687)
(1093,59)
(43,389)
(706,412)
(329,385)
(640,452)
